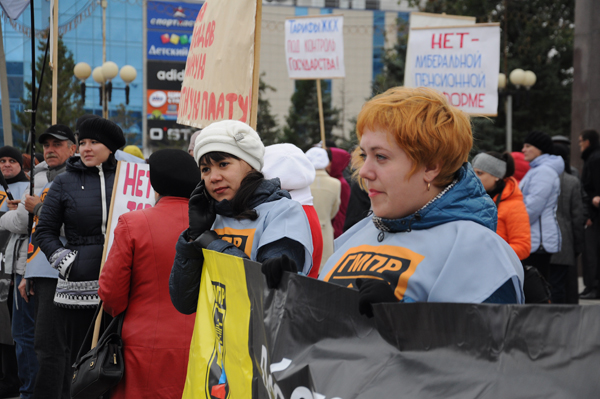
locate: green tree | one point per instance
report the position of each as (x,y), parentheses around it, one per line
(394,62)
(392,75)
(266,124)
(302,122)
(537,35)
(127,120)
(69,106)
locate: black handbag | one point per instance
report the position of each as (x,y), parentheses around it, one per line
(100,369)
(535,286)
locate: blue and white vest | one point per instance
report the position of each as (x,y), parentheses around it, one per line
(276,219)
(17,190)
(459,261)
(37,263)
(9,242)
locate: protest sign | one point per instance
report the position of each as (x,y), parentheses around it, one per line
(314,47)
(307,340)
(430,20)
(461,62)
(131,192)
(221,65)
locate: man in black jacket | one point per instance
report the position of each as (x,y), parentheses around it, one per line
(589,144)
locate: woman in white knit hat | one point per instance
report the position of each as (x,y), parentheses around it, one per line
(235,210)
(327,193)
(296,173)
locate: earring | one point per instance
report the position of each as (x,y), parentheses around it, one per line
(428,186)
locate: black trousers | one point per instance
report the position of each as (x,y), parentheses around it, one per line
(557,276)
(59,333)
(589,258)
(9,378)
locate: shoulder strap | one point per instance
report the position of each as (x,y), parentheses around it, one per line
(498,199)
(116,322)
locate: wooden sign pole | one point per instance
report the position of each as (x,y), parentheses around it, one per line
(256,68)
(105,254)
(321,118)
(54,63)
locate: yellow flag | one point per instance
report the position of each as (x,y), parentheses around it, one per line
(220,365)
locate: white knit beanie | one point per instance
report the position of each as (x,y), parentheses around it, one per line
(232,137)
(295,172)
(318,157)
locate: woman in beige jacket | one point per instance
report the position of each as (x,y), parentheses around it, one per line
(326,192)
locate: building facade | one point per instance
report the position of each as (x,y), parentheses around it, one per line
(369,27)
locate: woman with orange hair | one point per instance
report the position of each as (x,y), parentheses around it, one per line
(431,237)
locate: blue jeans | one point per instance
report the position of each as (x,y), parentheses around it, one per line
(23,327)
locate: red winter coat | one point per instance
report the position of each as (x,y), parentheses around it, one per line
(135,278)
(339,160)
(521,165)
(317,239)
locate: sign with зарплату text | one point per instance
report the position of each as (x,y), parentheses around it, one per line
(218,75)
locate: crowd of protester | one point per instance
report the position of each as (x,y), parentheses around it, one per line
(447,230)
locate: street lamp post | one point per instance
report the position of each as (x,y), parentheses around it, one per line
(103,75)
(518,78)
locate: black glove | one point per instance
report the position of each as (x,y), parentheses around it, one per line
(201,210)
(273,269)
(372,291)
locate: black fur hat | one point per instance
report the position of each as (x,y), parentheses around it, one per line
(173,173)
(540,140)
(104,131)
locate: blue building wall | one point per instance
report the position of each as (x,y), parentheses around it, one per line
(123,46)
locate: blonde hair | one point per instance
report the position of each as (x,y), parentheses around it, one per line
(427,128)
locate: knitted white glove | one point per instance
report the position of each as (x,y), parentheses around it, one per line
(62,259)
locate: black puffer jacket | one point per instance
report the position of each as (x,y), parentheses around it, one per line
(79,198)
(184,283)
(590,177)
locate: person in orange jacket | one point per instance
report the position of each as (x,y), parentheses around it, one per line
(496,171)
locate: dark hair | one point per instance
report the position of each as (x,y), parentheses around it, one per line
(592,136)
(506,157)
(329,154)
(111,159)
(240,203)
(563,151)
(215,156)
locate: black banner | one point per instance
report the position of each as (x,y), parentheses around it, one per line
(307,340)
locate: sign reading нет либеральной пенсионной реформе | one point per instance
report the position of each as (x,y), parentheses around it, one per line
(461,62)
